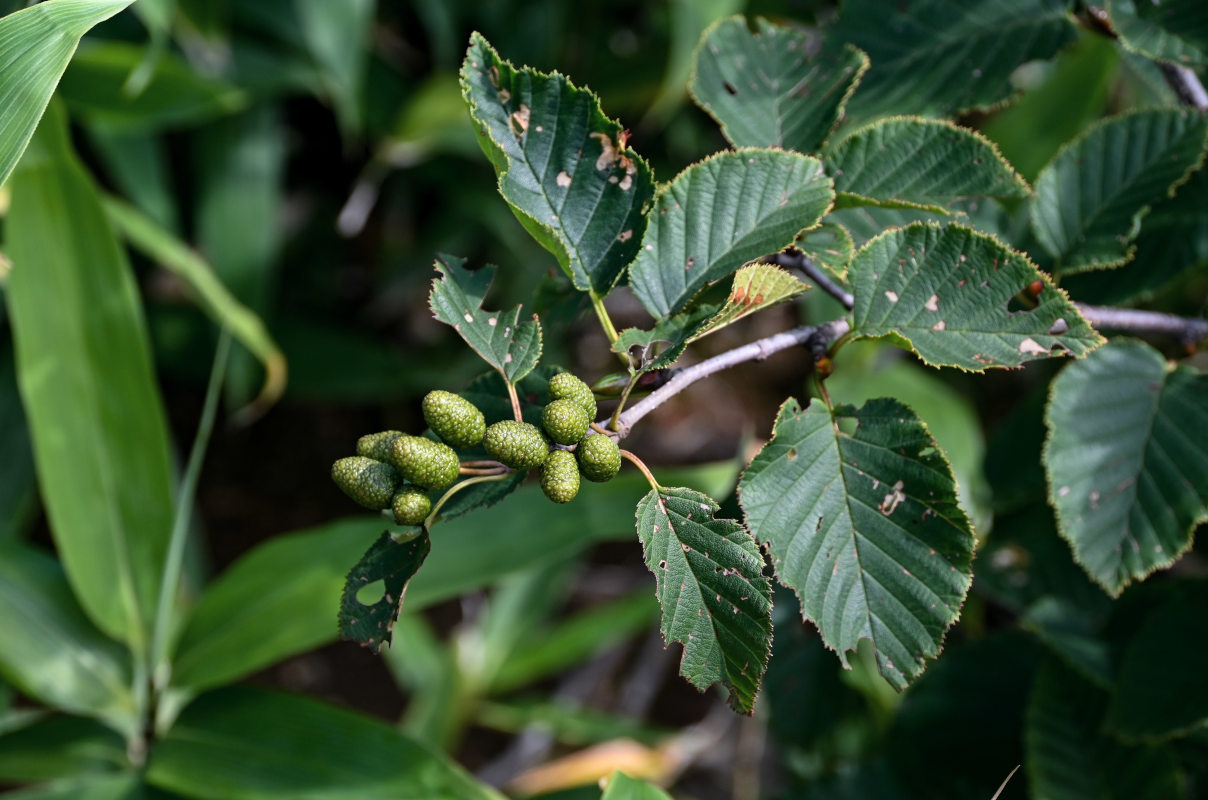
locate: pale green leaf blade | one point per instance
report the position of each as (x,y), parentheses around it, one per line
(958,54)
(338,36)
(161,246)
(1170,30)
(756,287)
(507,344)
(775,86)
(622,787)
(709,582)
(1127,467)
(120,786)
(35,46)
(865,527)
(563,166)
(1068,757)
(721,213)
(84,367)
(917,161)
(1091,197)
(250,744)
(944,291)
(48,648)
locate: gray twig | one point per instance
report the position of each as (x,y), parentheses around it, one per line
(1186,84)
(797,260)
(1188,330)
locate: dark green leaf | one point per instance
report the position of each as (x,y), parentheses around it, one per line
(125,786)
(247,744)
(84,367)
(17,482)
(865,527)
(673,333)
(1128,482)
(58,746)
(721,213)
(563,166)
(338,37)
(830,247)
(1170,30)
(1071,633)
(937,57)
(914,161)
(392,563)
(775,86)
(944,293)
(37,43)
(709,580)
(1091,197)
(507,344)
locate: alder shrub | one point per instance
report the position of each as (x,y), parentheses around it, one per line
(927,238)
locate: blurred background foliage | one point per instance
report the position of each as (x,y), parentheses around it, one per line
(316,154)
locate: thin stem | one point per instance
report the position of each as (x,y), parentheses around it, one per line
(457,487)
(500,470)
(481,463)
(515,400)
(637,462)
(616,414)
(752,351)
(173,561)
(796,260)
(610,330)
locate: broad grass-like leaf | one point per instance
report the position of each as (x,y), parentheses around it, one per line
(507,344)
(944,293)
(563,166)
(18,484)
(1126,462)
(775,86)
(709,581)
(1067,756)
(393,563)
(250,744)
(622,787)
(84,368)
(338,37)
(928,163)
(673,332)
(1170,30)
(864,526)
(56,746)
(35,46)
(959,54)
(119,786)
(48,648)
(1091,197)
(721,213)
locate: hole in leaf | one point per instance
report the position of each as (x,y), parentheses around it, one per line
(371,593)
(1020,303)
(730,88)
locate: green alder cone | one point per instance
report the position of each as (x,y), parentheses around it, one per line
(426,463)
(378,446)
(517,444)
(454,418)
(565,421)
(560,477)
(411,506)
(370,483)
(599,458)
(565,386)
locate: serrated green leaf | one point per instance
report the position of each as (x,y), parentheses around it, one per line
(36,44)
(507,344)
(1127,477)
(1170,30)
(563,166)
(863,223)
(1067,757)
(622,787)
(709,581)
(756,287)
(831,247)
(959,54)
(721,213)
(944,292)
(775,86)
(865,527)
(394,563)
(1160,689)
(675,332)
(1091,197)
(915,161)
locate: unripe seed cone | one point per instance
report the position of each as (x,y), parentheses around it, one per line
(426,463)
(560,477)
(454,418)
(378,446)
(565,421)
(517,444)
(599,457)
(411,506)
(565,386)
(370,483)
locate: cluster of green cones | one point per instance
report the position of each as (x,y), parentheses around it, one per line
(396,471)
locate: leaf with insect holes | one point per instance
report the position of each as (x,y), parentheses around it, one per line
(394,564)
(915,162)
(1093,195)
(945,293)
(563,165)
(709,581)
(776,86)
(859,510)
(721,213)
(1126,460)
(507,344)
